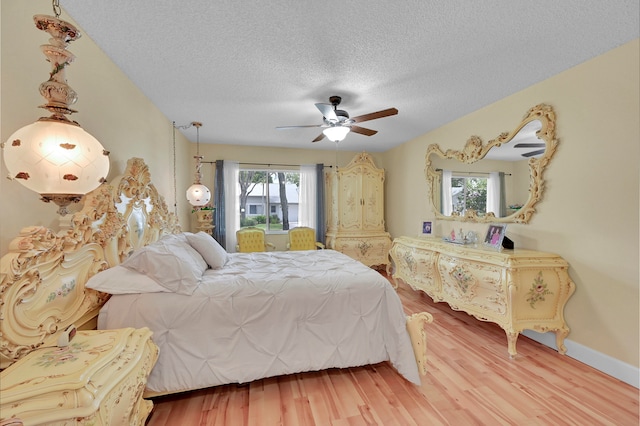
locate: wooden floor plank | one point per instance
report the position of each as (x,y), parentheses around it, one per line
(471,380)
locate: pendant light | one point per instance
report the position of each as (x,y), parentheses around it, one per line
(54,156)
(198,194)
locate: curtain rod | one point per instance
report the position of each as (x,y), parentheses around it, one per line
(475,173)
(264,164)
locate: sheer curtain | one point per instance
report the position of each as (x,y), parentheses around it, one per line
(496,200)
(493,193)
(447,200)
(311,198)
(307,196)
(232,203)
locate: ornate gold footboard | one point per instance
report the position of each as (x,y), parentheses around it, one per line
(416,324)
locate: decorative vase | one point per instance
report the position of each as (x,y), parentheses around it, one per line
(205,221)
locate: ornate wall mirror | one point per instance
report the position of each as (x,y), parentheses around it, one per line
(498,182)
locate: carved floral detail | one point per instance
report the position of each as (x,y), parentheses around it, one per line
(538,291)
(462,277)
(364,246)
(410,261)
(58,356)
(63,291)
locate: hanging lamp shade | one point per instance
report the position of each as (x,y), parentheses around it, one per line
(198,194)
(54,156)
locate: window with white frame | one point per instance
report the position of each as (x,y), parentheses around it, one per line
(273,191)
(469,192)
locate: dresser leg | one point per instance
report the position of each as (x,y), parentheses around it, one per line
(560,336)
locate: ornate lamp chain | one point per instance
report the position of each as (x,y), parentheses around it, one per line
(175,185)
(56,8)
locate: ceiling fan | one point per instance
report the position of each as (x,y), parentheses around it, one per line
(531,145)
(337,124)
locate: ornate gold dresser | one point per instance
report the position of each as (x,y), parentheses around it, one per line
(516,289)
(355,213)
(98,379)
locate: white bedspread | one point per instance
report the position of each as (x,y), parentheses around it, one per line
(268,314)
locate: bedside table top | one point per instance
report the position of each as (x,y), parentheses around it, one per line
(78,378)
(57,368)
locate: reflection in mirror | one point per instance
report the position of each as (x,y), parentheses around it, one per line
(497,182)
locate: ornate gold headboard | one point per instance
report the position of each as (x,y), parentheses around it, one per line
(43,276)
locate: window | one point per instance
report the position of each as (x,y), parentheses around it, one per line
(276,192)
(469,192)
(256,209)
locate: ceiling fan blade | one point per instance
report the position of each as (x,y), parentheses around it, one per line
(375,115)
(298,127)
(529,145)
(327,111)
(363,131)
(319,138)
(533,153)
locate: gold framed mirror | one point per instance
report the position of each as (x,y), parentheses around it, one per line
(501,181)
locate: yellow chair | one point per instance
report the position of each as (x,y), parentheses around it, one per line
(251,239)
(303,238)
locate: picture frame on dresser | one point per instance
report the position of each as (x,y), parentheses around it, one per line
(427,228)
(494,236)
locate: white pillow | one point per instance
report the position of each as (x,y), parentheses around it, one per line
(120,280)
(171,262)
(210,250)
(182,236)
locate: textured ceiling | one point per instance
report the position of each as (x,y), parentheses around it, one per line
(243,68)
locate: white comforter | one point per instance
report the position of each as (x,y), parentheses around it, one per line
(268,314)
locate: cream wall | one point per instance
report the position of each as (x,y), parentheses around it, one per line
(110,107)
(589,211)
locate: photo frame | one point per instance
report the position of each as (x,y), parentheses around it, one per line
(427,228)
(495,235)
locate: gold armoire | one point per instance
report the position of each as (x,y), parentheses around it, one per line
(355,211)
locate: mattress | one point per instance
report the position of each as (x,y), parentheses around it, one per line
(269,314)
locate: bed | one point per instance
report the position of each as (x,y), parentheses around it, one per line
(231,318)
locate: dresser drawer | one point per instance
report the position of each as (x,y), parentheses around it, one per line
(372,251)
(477,286)
(416,268)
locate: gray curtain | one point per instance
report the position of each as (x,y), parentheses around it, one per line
(320,219)
(220,231)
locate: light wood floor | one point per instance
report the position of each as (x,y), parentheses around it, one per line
(471,381)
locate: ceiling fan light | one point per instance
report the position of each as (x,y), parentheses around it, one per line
(336,133)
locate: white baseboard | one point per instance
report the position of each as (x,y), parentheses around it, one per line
(602,362)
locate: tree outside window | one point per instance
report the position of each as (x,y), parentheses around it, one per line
(276,192)
(469,192)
